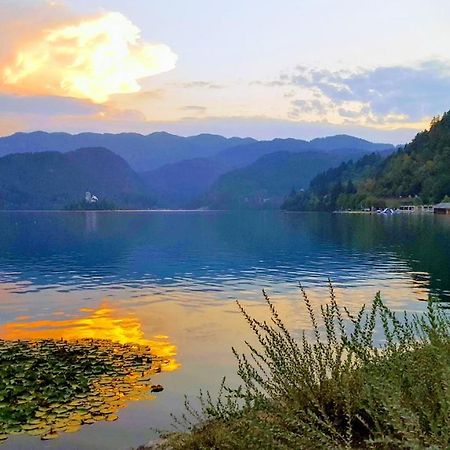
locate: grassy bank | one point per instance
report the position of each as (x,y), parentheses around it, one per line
(338,390)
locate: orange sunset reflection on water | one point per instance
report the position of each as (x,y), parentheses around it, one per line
(104,322)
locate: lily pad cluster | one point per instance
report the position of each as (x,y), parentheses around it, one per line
(53,386)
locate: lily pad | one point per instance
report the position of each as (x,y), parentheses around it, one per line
(51,435)
(53,386)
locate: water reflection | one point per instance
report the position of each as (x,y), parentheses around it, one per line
(219,251)
(140,277)
(91,221)
(418,245)
(104,322)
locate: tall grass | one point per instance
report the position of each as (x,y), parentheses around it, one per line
(340,389)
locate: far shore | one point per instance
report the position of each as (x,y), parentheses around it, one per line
(381,212)
(108,210)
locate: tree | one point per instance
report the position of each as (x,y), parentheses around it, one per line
(350,189)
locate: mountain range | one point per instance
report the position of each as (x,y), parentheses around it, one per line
(51,170)
(229,179)
(142,152)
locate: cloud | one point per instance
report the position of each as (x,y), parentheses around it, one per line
(194,108)
(352,114)
(120,115)
(143,95)
(202,84)
(52,105)
(310,106)
(88,58)
(402,93)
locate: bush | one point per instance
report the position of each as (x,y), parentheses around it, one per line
(337,391)
(374,202)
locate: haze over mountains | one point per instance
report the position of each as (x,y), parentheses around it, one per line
(142,152)
(48,171)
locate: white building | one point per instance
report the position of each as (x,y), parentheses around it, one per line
(90,198)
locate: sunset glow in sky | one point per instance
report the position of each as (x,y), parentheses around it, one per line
(91,59)
(380,70)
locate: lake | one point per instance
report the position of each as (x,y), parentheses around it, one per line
(169,279)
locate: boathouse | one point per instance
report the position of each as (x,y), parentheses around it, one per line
(442,208)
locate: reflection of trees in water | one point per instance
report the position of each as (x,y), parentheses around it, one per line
(83,243)
(104,247)
(423,241)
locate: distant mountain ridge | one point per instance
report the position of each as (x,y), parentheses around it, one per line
(247,154)
(148,152)
(142,152)
(346,142)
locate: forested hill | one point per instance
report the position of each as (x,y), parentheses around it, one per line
(419,173)
(264,183)
(53,180)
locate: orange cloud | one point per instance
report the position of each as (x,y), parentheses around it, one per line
(91,59)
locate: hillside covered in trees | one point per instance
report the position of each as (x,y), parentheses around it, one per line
(417,173)
(54,180)
(264,183)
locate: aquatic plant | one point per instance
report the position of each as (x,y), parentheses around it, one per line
(372,380)
(53,386)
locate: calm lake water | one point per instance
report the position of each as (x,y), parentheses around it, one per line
(170,279)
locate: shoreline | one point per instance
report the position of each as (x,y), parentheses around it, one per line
(382,213)
(108,210)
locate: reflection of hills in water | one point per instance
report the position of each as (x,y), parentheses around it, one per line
(218,250)
(64,377)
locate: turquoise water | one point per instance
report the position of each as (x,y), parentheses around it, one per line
(171,278)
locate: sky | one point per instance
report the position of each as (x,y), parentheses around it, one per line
(261,68)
